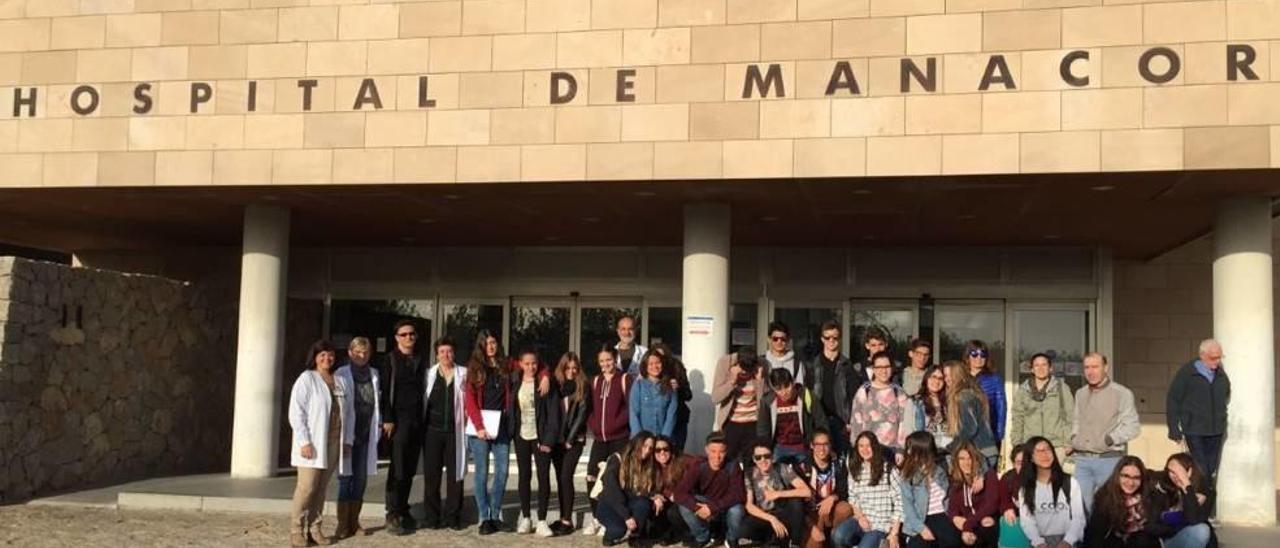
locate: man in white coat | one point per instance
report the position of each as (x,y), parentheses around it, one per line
(444,449)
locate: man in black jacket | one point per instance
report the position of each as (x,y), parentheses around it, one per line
(403,373)
(833,382)
(1196,407)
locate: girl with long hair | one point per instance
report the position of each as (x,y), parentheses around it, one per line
(980,365)
(609,420)
(1180,500)
(684,393)
(669,463)
(488,406)
(930,405)
(653,397)
(1120,509)
(974,499)
(574,400)
(968,417)
(1050,501)
(875,493)
(924,496)
(537,430)
(625,502)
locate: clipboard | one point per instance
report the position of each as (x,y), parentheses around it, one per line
(492,421)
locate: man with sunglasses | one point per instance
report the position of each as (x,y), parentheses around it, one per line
(780,354)
(833,381)
(404,370)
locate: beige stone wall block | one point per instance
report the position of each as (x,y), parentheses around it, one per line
(688,160)
(589,49)
(337,58)
(690,83)
(10,68)
(886,75)
(1206,62)
(1142,150)
(25,34)
(1102,26)
(267,131)
(884,8)
(218,62)
(1037,4)
(9,135)
(277,60)
(488,164)
(183,168)
(426,19)
(624,14)
(761,11)
(49,67)
(1101,109)
(410,56)
(656,47)
(963,72)
(44,135)
(426,165)
(758,159)
(832,9)
(553,162)
(160,64)
(372,22)
(537,87)
(589,124)
(797,118)
(461,54)
(841,157)
(679,13)
(12,9)
(1040,70)
(133,30)
(918,155)
(21,170)
(868,117)
(739,86)
(726,44)
(557,15)
(1253,19)
(944,33)
(980,154)
(189,28)
(248,27)
(334,130)
(52,8)
(1275,146)
(965,6)
(1021,30)
(458,127)
(493,16)
(655,122)
(1184,106)
(242,167)
(1060,152)
(174,99)
(790,41)
(1184,22)
(103,65)
(78,32)
(943,114)
(642,85)
(516,126)
(1024,111)
(372,165)
(491,90)
(813,77)
(441,88)
(233,97)
(524,51)
(1227,147)
(127,169)
(57,103)
(95,134)
(301,167)
(71,169)
(1253,104)
(215,132)
(724,121)
(308,24)
(395,129)
(869,37)
(289,96)
(158,133)
(1120,66)
(620,161)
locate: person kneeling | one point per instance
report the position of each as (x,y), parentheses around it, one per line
(710,495)
(776,499)
(974,498)
(1121,509)
(625,504)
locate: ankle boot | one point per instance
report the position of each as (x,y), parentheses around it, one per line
(344,521)
(317,533)
(355,528)
(298,538)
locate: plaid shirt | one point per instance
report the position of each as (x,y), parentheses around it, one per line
(882,504)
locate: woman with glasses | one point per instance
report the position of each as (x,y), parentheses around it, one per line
(967,415)
(881,407)
(875,496)
(626,499)
(1120,509)
(776,499)
(488,406)
(929,405)
(574,397)
(666,526)
(1050,501)
(980,366)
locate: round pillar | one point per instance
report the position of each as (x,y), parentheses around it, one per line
(705,307)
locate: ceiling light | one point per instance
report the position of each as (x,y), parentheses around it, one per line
(552,238)
(769,219)
(1103,188)
(451,196)
(270,197)
(590,219)
(407,239)
(644,194)
(862,192)
(1051,236)
(967,217)
(426,221)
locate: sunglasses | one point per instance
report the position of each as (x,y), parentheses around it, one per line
(977,353)
(661,449)
(778,339)
(762,457)
(830,338)
(409,334)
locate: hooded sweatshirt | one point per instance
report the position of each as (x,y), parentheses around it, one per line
(786,361)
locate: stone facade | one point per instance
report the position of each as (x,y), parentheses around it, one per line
(108,377)
(202,92)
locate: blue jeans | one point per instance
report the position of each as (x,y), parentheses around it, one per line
(790,456)
(351,488)
(730,520)
(615,526)
(1207,452)
(489,503)
(849,534)
(1091,473)
(1191,536)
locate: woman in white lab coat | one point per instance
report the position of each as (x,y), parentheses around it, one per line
(316,413)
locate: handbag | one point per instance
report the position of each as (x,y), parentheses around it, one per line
(598,487)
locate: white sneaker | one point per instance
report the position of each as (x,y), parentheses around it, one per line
(524,526)
(589,526)
(599,530)
(542,529)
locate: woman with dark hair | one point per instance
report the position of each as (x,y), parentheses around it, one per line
(609,420)
(488,406)
(1011,535)
(667,526)
(875,493)
(537,430)
(967,416)
(1050,502)
(317,413)
(1180,498)
(574,399)
(653,398)
(625,502)
(929,405)
(1043,406)
(1120,509)
(776,498)
(980,366)
(680,383)
(974,499)
(924,496)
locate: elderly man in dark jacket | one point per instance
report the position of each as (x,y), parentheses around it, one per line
(1196,407)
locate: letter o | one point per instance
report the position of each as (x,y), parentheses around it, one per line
(1144,65)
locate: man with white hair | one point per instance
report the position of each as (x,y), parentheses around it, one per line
(1196,407)
(629,351)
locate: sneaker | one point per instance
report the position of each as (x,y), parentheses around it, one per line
(542,529)
(590,526)
(410,525)
(524,526)
(599,530)
(487,528)
(560,528)
(395,525)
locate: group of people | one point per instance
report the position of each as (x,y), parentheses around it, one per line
(825,452)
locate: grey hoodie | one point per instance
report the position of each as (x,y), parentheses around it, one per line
(786,361)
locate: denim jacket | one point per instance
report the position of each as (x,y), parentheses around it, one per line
(653,408)
(915,500)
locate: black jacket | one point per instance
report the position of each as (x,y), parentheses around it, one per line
(611,493)
(846,381)
(810,407)
(573,416)
(1163,498)
(546,410)
(1195,406)
(402,386)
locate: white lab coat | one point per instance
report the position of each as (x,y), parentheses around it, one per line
(636,366)
(309,404)
(349,422)
(459,413)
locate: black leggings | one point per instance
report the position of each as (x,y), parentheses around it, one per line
(944,533)
(988,537)
(792,514)
(738,437)
(600,450)
(527,450)
(565,462)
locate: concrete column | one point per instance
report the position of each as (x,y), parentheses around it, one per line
(1243,321)
(260,347)
(705,301)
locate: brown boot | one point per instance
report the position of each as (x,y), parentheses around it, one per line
(355,528)
(298,539)
(317,534)
(344,521)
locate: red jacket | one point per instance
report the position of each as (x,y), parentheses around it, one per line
(975,506)
(610,411)
(1009,492)
(475,395)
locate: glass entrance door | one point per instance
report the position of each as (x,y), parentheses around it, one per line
(541,325)
(463,320)
(898,320)
(597,326)
(1061,330)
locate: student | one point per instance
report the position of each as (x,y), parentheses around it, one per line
(317,416)
(625,502)
(980,366)
(489,392)
(929,406)
(924,496)
(574,397)
(1105,421)
(736,392)
(653,398)
(967,415)
(1043,406)
(1050,501)
(776,499)
(609,421)
(1180,500)
(914,374)
(787,420)
(403,371)
(666,526)
(1011,535)
(875,495)
(1120,509)
(537,430)
(711,496)
(780,354)
(881,407)
(974,499)
(833,381)
(874,341)
(684,394)
(362,399)
(828,480)
(445,446)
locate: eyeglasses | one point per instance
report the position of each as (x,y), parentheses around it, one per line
(827,338)
(881,366)
(778,339)
(409,334)
(661,449)
(1131,477)
(977,353)
(762,457)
